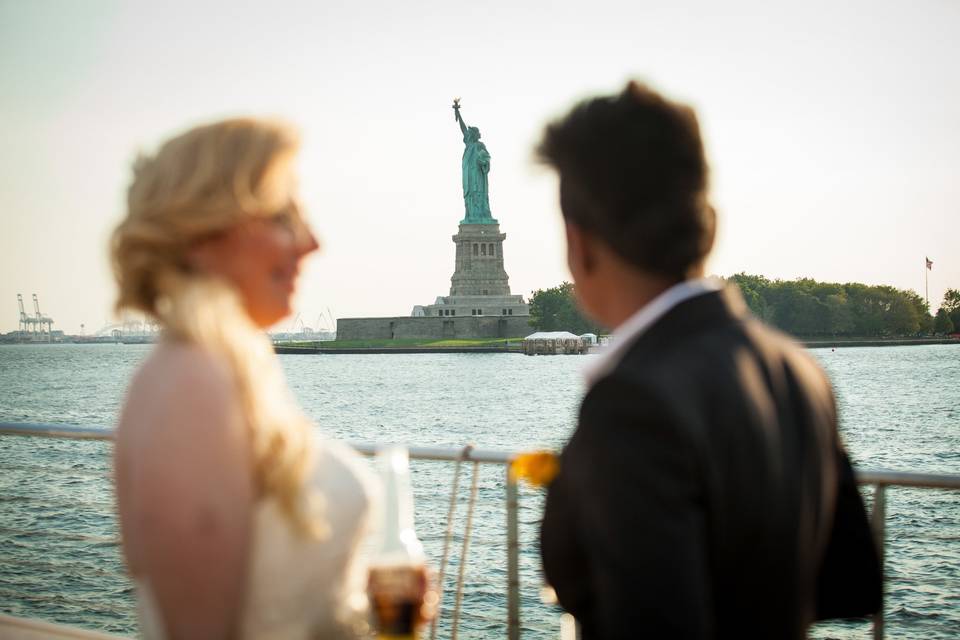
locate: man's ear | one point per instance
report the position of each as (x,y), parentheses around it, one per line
(581,251)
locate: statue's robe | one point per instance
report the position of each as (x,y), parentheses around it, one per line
(476,166)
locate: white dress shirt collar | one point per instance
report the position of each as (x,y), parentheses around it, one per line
(633,327)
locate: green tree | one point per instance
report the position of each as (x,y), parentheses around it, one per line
(942,324)
(867,308)
(839,316)
(951,302)
(921,310)
(803,307)
(555,309)
(754,290)
(807,307)
(799,312)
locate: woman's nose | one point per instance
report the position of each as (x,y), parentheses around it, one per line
(309,243)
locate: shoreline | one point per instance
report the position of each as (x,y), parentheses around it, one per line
(516,347)
(875,342)
(809,344)
(287,350)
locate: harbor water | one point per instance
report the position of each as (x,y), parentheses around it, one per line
(59,561)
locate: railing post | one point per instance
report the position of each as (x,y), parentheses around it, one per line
(467,528)
(513,560)
(878,522)
(447,537)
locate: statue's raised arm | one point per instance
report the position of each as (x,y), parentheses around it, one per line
(456,112)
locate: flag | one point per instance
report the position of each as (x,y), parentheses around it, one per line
(929,264)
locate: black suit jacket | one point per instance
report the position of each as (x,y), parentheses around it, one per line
(704,487)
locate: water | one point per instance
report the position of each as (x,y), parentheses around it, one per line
(899,407)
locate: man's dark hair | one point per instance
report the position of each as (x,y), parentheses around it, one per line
(632,172)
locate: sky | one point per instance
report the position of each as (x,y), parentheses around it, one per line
(831,128)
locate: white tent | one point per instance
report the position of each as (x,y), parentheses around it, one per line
(552,335)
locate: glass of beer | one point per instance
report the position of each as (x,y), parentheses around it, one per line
(399,583)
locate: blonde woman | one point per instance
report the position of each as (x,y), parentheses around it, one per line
(236,521)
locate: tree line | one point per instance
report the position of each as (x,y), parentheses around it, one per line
(806,307)
(803,307)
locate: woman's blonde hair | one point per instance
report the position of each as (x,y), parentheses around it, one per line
(199,184)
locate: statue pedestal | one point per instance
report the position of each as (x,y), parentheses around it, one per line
(480,285)
(479,263)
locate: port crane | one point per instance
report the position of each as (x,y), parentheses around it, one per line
(28,324)
(34,327)
(42,320)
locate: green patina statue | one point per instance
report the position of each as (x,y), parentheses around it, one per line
(476,166)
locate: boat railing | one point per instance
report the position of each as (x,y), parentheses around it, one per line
(877,480)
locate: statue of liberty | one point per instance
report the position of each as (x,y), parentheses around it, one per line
(476,166)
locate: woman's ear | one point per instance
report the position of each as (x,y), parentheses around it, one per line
(199,256)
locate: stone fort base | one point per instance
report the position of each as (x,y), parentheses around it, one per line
(433,328)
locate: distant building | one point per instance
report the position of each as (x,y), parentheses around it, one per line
(480,304)
(479,285)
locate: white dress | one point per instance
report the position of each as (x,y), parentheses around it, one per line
(302,588)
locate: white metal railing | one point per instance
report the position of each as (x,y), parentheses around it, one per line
(878,479)
(447,454)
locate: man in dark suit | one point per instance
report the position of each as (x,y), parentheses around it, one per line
(705,492)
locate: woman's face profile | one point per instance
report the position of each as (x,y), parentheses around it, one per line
(260,256)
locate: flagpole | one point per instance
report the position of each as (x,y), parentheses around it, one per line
(926,280)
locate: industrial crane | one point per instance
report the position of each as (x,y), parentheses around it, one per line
(41,320)
(28,324)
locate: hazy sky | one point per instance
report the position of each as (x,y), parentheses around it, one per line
(833,131)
